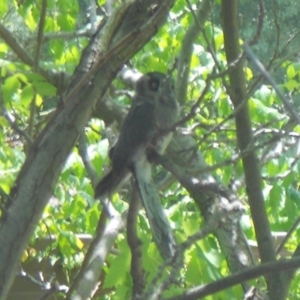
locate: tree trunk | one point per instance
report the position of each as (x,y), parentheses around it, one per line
(122,35)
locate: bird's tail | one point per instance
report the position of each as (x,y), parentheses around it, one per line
(161,229)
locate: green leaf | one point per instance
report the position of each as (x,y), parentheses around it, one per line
(291,85)
(3,8)
(291,72)
(193,269)
(190,225)
(259,110)
(10,88)
(294,196)
(3,47)
(30,20)
(119,267)
(65,240)
(45,88)
(219,40)
(92,218)
(275,200)
(27,95)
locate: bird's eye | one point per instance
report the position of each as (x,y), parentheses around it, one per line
(153,84)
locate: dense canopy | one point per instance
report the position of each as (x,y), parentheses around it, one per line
(228,182)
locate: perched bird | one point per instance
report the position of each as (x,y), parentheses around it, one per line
(154,110)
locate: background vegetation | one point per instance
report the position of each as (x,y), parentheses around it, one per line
(239,182)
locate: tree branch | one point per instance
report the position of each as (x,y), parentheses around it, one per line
(47,155)
(82,149)
(89,280)
(295,116)
(186,163)
(156,289)
(13,43)
(40,36)
(238,94)
(39,42)
(89,255)
(187,49)
(136,271)
(252,273)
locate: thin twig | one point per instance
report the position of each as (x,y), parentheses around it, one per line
(13,43)
(195,107)
(12,123)
(277,40)
(51,287)
(212,52)
(82,149)
(22,54)
(288,235)
(201,291)
(17,129)
(136,270)
(260,23)
(266,75)
(39,42)
(67,35)
(176,262)
(89,255)
(40,35)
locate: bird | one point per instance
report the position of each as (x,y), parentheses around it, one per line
(153,111)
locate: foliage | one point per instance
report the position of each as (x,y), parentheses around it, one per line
(29,98)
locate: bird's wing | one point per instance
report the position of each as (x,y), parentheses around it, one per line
(135,131)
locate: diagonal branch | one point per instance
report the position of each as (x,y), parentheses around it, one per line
(40,35)
(101,227)
(200,292)
(13,43)
(83,152)
(94,265)
(187,49)
(36,63)
(50,150)
(186,164)
(270,80)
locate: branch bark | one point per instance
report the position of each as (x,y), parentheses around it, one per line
(185,164)
(222,284)
(114,43)
(99,234)
(14,44)
(238,94)
(186,51)
(91,274)
(136,270)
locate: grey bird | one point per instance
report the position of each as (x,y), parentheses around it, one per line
(154,110)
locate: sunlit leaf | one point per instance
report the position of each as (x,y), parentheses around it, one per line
(291,72)
(30,21)
(10,87)
(27,95)
(72,209)
(3,46)
(44,88)
(292,84)
(119,268)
